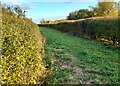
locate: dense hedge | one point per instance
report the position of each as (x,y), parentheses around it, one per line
(95,28)
(22,50)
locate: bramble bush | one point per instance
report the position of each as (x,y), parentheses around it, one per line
(22,50)
(100,28)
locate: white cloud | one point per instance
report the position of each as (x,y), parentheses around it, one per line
(82,0)
(55,0)
(107,0)
(14,1)
(10,1)
(25,6)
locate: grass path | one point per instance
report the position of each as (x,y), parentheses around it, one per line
(79,60)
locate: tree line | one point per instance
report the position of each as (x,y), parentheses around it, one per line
(102,9)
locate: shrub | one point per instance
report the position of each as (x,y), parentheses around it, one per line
(22,50)
(95,28)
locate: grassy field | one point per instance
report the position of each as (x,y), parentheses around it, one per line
(78,60)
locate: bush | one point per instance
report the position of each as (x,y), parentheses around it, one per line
(95,28)
(22,50)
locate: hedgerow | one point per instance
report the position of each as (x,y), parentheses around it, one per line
(22,50)
(99,28)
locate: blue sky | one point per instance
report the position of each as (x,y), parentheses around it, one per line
(51,9)
(55,10)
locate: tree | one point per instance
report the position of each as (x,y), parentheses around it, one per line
(105,8)
(82,13)
(119,8)
(102,9)
(72,16)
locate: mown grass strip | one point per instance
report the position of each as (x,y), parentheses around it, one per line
(99,63)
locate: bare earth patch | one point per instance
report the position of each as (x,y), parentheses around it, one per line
(76,75)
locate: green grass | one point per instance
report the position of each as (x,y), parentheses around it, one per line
(99,63)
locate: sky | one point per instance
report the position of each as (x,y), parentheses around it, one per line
(50,9)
